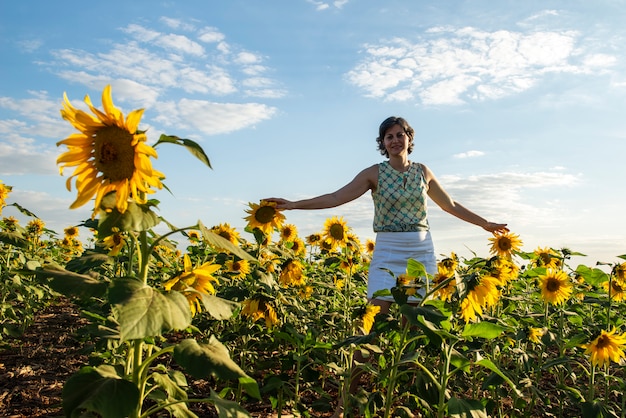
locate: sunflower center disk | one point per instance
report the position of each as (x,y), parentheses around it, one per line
(114,155)
(265,214)
(336,231)
(553,285)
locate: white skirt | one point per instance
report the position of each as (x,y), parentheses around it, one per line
(392,252)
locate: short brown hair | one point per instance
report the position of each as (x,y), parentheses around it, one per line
(388,123)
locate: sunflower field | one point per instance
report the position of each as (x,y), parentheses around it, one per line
(277,324)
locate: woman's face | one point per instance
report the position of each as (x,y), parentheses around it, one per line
(396,140)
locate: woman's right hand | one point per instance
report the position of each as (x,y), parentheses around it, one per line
(282,204)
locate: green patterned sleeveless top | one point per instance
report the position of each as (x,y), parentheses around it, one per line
(400,199)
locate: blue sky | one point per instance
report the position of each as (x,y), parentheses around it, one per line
(518,107)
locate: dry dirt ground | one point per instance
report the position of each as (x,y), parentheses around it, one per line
(35,366)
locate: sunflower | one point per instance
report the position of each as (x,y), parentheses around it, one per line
(327,245)
(10,224)
(225,231)
(194,237)
(314,239)
(336,231)
(556,287)
(505,244)
(606,348)
(368,317)
(114,242)
(291,274)
(305,292)
(547,257)
(4,193)
(265,217)
(35,227)
(298,247)
(258,309)
(444,273)
(504,270)
(71,232)
(109,154)
(288,232)
(617,289)
(620,272)
(369,246)
(193,281)
(484,294)
(407,283)
(239,268)
(535,334)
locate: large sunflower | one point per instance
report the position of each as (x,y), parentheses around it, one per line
(617,289)
(193,281)
(505,244)
(336,231)
(606,348)
(264,216)
(556,286)
(484,294)
(109,154)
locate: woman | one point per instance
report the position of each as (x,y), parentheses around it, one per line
(399,189)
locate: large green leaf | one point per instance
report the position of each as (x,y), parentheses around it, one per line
(483,329)
(217,307)
(207,359)
(88,261)
(415,268)
(226,408)
(193,147)
(69,283)
(592,276)
(491,366)
(136,218)
(143,311)
(466,408)
(13,238)
(99,390)
(222,243)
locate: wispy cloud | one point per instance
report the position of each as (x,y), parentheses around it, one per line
(469,154)
(457,65)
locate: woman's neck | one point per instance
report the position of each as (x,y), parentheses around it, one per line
(400,163)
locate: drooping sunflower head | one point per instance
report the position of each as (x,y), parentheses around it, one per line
(336,230)
(264,216)
(620,272)
(313,239)
(556,286)
(114,242)
(606,347)
(109,154)
(10,224)
(505,244)
(449,263)
(407,283)
(616,288)
(292,274)
(369,316)
(225,231)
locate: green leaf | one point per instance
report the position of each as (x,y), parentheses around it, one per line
(415,268)
(14,238)
(593,277)
(228,409)
(219,308)
(72,284)
(136,218)
(193,147)
(483,329)
(143,311)
(88,261)
(99,390)
(222,243)
(464,408)
(250,386)
(24,210)
(207,359)
(491,366)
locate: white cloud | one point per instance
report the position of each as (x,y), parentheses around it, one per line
(453,66)
(212,118)
(469,154)
(211,35)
